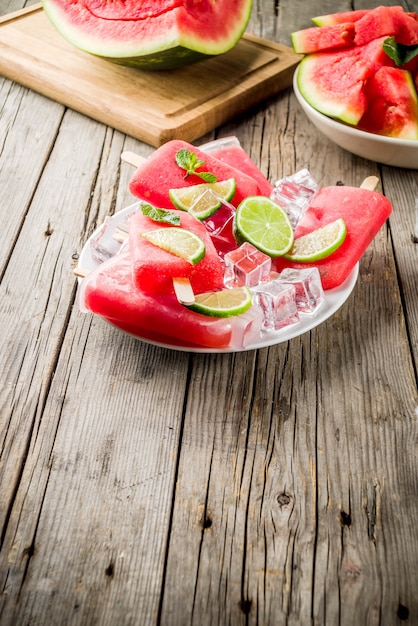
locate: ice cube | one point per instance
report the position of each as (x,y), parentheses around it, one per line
(104,245)
(222,143)
(246,266)
(246,328)
(308,285)
(112,236)
(277,301)
(216,222)
(294,193)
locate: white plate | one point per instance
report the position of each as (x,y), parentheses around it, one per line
(334,299)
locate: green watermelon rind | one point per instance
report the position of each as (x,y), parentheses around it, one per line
(328,103)
(336,18)
(159,51)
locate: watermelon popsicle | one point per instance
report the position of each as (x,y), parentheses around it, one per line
(229,150)
(160,172)
(364,213)
(154,268)
(109,291)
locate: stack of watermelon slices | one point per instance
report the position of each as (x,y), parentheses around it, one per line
(361,67)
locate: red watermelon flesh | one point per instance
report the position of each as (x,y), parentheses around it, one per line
(377,23)
(237,157)
(408,30)
(339,18)
(109,292)
(392,108)
(154,268)
(317,39)
(160,173)
(364,213)
(333,82)
(389,21)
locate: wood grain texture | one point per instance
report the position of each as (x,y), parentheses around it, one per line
(145,486)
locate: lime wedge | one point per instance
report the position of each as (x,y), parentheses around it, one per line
(223,303)
(318,244)
(179,241)
(204,199)
(265,224)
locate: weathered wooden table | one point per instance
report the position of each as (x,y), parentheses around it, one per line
(141,485)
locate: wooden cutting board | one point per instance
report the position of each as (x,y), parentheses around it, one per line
(153,107)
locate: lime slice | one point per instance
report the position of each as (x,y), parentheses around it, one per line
(223,303)
(318,244)
(265,224)
(204,199)
(179,241)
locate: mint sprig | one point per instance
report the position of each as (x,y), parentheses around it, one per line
(398,52)
(160,215)
(189,162)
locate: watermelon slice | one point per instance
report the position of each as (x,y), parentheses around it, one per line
(339,18)
(392,104)
(323,38)
(364,213)
(151,34)
(333,82)
(381,21)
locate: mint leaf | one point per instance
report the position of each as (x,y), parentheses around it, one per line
(189,162)
(207,177)
(160,215)
(399,52)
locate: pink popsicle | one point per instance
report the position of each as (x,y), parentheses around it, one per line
(109,291)
(160,173)
(154,268)
(364,213)
(229,150)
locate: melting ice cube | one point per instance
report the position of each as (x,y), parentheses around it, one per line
(246,266)
(308,285)
(246,328)
(294,193)
(217,221)
(278,304)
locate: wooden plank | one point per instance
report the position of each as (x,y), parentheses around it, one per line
(151,106)
(293,498)
(277,491)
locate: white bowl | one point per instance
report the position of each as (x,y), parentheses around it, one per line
(386,150)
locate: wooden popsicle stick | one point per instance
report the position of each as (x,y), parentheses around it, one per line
(120,235)
(183,290)
(131,158)
(81,272)
(369,183)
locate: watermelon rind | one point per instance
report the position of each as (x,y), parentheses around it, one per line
(338,18)
(333,82)
(155,35)
(392,104)
(347,105)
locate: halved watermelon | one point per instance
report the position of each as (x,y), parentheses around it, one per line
(151,34)
(333,82)
(392,104)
